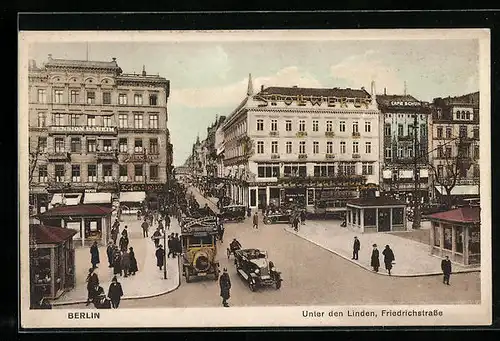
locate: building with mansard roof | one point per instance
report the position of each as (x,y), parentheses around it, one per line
(94,128)
(286,145)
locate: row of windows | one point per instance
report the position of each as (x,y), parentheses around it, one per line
(444,171)
(90,97)
(92,120)
(107,173)
(329,147)
(92,145)
(323,170)
(301,126)
(401,131)
(463,132)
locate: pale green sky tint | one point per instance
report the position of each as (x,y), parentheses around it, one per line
(211,78)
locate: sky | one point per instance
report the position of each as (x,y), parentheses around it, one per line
(210,78)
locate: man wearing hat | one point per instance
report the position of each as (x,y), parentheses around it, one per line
(375,263)
(115,292)
(160,256)
(225,286)
(92,284)
(355,248)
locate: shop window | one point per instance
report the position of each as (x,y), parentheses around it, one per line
(447,237)
(437,234)
(459,239)
(474,241)
(370,217)
(397,216)
(294,170)
(93,229)
(324,170)
(268,171)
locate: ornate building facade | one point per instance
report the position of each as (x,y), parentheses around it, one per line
(94,128)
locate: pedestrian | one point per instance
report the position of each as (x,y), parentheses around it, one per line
(117,262)
(125,263)
(116,224)
(355,248)
(94,255)
(303,217)
(249,212)
(388,258)
(92,283)
(123,243)
(167,222)
(133,261)
(225,286)
(221,232)
(145,229)
(177,245)
(446,267)
(375,262)
(160,255)
(170,244)
(109,253)
(256,220)
(156,237)
(114,234)
(160,225)
(125,232)
(115,292)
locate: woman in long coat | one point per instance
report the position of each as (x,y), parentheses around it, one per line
(123,243)
(94,255)
(160,255)
(133,262)
(225,286)
(115,292)
(375,262)
(388,258)
(117,262)
(125,263)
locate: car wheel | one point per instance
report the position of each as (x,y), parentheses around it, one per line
(251,285)
(278,283)
(267,221)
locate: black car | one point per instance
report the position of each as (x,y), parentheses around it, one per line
(254,267)
(233,213)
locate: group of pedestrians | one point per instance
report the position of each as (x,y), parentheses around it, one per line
(98,297)
(388,254)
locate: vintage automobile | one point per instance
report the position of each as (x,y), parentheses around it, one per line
(199,247)
(328,209)
(233,213)
(277,216)
(253,266)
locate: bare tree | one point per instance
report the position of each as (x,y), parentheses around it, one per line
(33,162)
(453,168)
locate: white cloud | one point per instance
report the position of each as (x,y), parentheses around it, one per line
(361,70)
(232,94)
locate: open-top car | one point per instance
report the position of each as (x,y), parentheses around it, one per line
(233,213)
(253,266)
(277,216)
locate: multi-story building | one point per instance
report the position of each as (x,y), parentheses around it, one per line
(455,147)
(94,128)
(404,141)
(297,144)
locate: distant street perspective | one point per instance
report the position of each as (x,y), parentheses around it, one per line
(296,195)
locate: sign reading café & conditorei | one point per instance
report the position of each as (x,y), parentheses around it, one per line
(302,101)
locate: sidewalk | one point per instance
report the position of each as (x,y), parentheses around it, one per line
(147,282)
(412,258)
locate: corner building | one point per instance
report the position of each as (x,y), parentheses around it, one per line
(291,144)
(93,128)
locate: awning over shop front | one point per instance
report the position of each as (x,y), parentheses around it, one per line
(97,198)
(459,190)
(66,199)
(132,196)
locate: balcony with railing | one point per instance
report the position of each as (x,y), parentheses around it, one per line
(59,156)
(107,155)
(356,134)
(275,156)
(356,156)
(99,130)
(302,156)
(301,134)
(329,156)
(274,133)
(329,134)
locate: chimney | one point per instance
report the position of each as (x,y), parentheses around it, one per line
(144,70)
(373,91)
(50,56)
(114,59)
(405,89)
(262,87)
(385,91)
(250,85)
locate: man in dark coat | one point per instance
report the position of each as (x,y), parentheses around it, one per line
(115,292)
(167,222)
(117,262)
(375,262)
(92,283)
(446,267)
(125,232)
(256,220)
(123,243)
(133,261)
(109,252)
(225,286)
(160,256)
(388,258)
(177,245)
(145,228)
(355,248)
(114,234)
(156,237)
(170,244)
(94,255)
(125,263)
(303,217)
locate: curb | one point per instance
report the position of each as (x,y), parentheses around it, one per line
(424,274)
(129,297)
